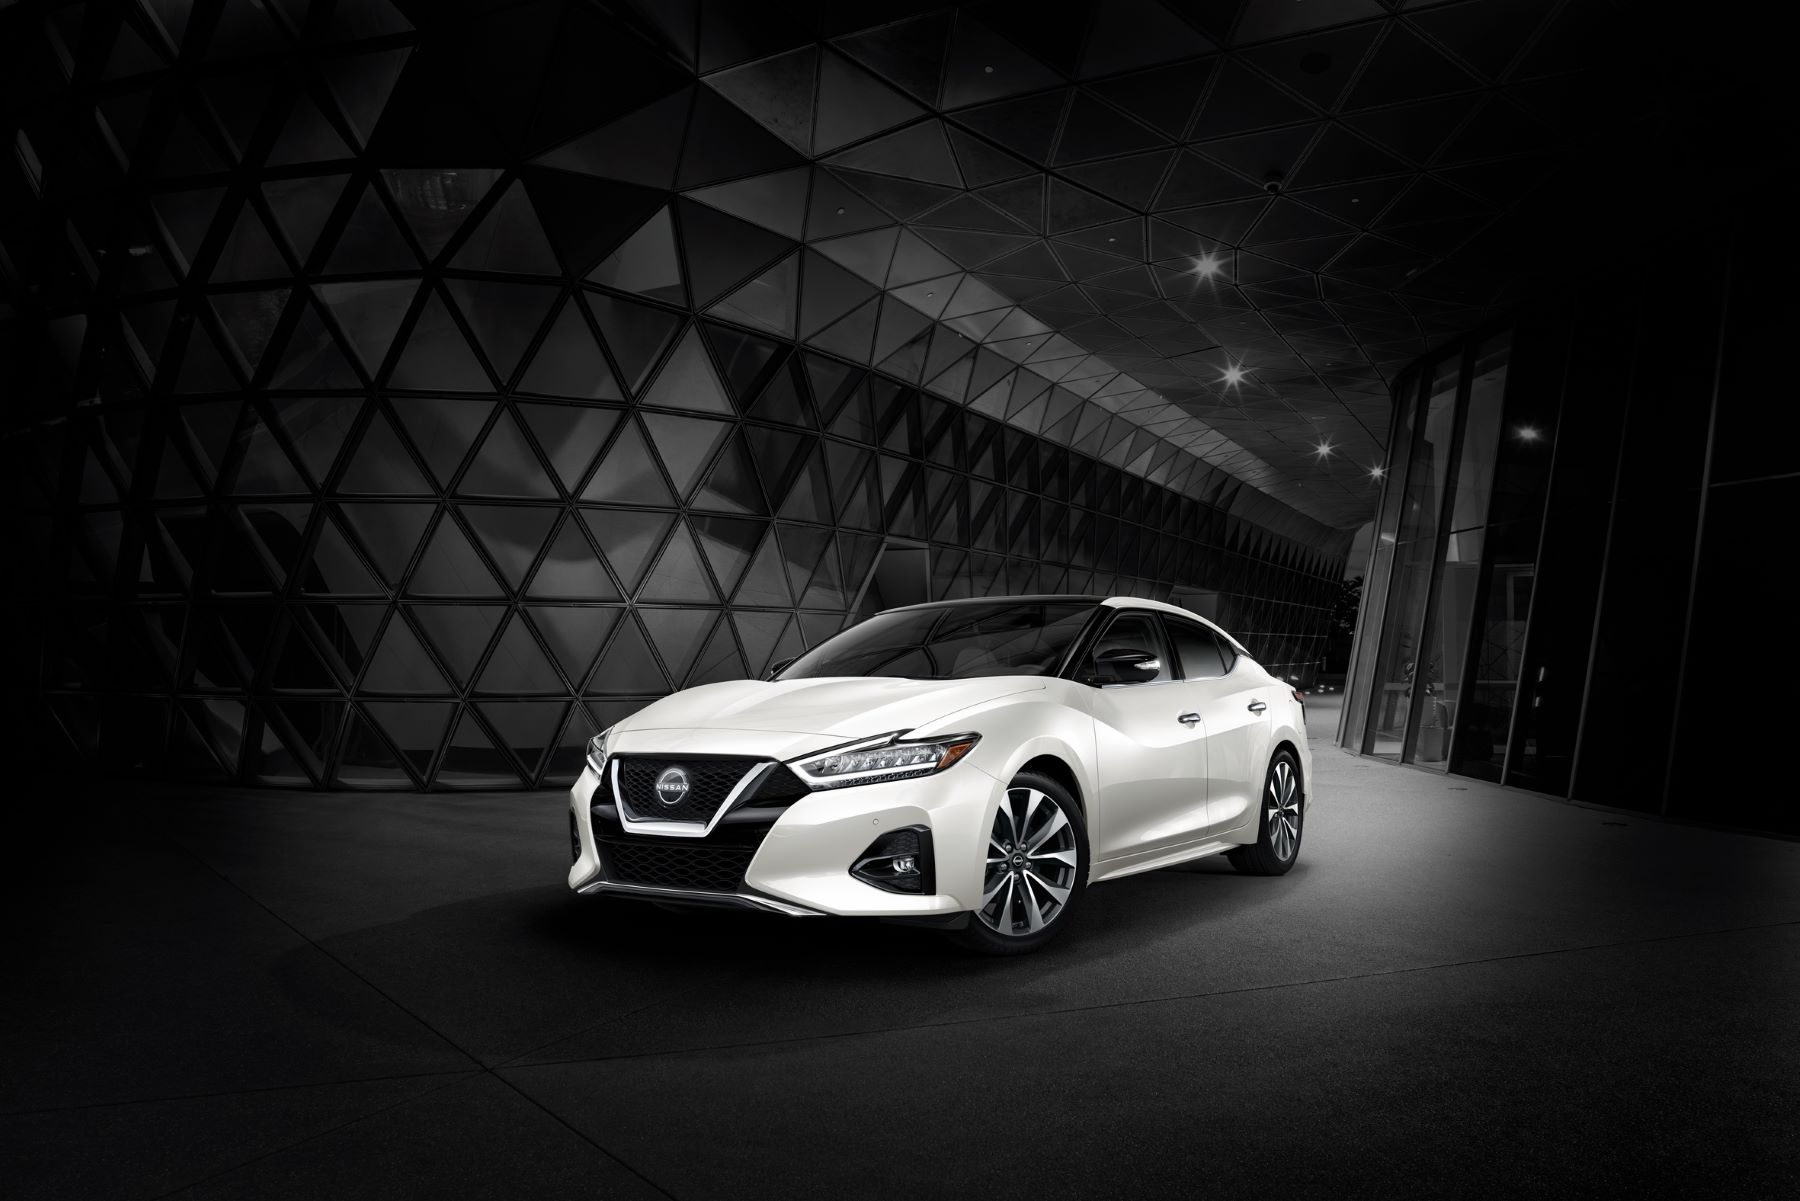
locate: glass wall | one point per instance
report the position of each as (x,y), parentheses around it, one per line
(1573,551)
(1405,674)
(1438,664)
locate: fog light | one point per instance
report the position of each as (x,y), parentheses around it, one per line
(898,861)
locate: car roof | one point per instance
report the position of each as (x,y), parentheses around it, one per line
(1034,598)
(1110,602)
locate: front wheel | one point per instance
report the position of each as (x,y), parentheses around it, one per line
(1037,868)
(1277,843)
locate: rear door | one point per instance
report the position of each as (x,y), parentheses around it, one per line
(1151,766)
(1237,731)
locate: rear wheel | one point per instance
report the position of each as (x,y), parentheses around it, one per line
(1037,867)
(1277,843)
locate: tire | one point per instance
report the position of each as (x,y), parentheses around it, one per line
(1280,824)
(1030,900)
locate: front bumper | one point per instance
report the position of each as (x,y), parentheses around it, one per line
(802,857)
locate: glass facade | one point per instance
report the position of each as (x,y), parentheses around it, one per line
(1574,543)
(337,466)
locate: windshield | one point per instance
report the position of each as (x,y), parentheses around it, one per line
(955,642)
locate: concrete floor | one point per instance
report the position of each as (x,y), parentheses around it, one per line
(1458,990)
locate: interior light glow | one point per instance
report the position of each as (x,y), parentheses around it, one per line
(1528,433)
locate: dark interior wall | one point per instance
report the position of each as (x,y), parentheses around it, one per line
(1654,281)
(332,465)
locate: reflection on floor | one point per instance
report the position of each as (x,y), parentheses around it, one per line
(236,994)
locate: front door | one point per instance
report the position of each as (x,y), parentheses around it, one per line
(1150,763)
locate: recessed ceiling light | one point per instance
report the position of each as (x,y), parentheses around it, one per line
(1234,374)
(1528,433)
(1324,449)
(1208,265)
(1377,471)
(988,70)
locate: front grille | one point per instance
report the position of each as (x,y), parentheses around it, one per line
(667,865)
(779,787)
(710,781)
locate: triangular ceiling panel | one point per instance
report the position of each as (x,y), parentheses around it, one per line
(723,251)
(776,201)
(779,92)
(636,334)
(642,147)
(645,263)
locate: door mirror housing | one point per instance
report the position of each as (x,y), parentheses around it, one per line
(1122,666)
(776,669)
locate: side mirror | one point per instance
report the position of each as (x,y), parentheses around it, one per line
(776,669)
(1126,666)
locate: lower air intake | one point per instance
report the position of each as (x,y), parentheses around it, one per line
(691,868)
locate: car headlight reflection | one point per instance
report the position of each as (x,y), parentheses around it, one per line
(596,750)
(886,757)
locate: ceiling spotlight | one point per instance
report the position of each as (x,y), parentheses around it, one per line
(1324,449)
(1208,265)
(1234,375)
(1377,471)
(1528,433)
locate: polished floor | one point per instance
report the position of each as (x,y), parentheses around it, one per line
(1460,989)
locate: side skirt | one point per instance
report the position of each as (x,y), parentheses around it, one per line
(1130,866)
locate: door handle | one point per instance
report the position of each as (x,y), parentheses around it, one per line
(1188,719)
(1257,706)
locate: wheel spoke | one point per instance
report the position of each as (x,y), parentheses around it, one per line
(1034,916)
(1065,857)
(988,896)
(1033,799)
(1058,820)
(1011,832)
(1056,892)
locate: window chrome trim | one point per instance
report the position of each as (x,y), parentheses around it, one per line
(685,829)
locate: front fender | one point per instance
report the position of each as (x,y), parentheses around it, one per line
(1031,730)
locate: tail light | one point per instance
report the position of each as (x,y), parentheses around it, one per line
(1301,697)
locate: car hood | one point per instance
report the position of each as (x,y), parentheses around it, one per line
(783,718)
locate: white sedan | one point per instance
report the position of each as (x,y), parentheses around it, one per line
(970,764)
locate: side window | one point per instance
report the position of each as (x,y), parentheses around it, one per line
(1138,632)
(1203,655)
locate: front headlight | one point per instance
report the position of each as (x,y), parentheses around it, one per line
(596,754)
(885,757)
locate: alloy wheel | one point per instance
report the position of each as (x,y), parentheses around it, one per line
(1031,864)
(1283,817)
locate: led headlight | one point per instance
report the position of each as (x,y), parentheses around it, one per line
(885,757)
(596,751)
